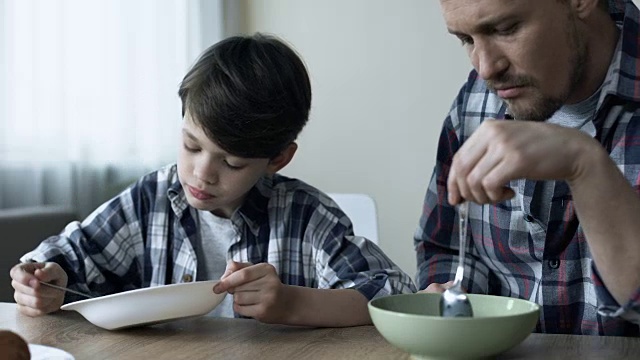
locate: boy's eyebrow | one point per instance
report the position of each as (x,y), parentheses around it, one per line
(189,135)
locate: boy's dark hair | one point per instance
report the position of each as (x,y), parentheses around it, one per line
(250,94)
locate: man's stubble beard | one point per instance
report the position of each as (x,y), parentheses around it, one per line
(543,107)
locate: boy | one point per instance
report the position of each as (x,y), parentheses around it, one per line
(293,256)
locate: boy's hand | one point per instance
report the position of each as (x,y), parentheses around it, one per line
(33,298)
(257,291)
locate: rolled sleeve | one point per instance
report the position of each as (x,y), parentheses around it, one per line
(98,255)
(610,307)
(357,263)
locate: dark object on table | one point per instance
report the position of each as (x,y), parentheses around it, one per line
(13,347)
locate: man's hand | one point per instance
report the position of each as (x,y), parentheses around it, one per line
(501,151)
(257,291)
(33,298)
(437,288)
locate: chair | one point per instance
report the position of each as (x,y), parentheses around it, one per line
(361,209)
(22,230)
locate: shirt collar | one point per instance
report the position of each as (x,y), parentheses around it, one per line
(620,79)
(253,212)
(177,198)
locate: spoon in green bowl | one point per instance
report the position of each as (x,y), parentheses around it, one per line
(454,302)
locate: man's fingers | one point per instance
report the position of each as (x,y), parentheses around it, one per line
(437,288)
(453,192)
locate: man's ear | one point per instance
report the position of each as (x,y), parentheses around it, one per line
(584,8)
(282,159)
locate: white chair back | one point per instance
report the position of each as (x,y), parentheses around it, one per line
(361,209)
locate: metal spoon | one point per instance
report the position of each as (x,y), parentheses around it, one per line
(454,302)
(60,287)
(66,289)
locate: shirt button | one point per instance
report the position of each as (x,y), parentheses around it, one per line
(187,278)
(528,218)
(554,263)
(378,276)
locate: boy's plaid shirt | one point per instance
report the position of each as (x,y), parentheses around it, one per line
(143,238)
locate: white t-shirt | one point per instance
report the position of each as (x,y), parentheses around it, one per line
(216,235)
(576,116)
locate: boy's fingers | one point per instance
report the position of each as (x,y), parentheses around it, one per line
(25,268)
(52,273)
(24,273)
(36,291)
(235,266)
(237,278)
(227,273)
(22,288)
(46,275)
(34,306)
(29,311)
(226,283)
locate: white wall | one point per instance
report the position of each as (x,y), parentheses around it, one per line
(384,74)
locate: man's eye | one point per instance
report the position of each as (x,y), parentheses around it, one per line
(466,40)
(507,30)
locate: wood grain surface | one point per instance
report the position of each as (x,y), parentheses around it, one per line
(218,338)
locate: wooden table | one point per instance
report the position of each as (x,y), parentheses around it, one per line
(208,338)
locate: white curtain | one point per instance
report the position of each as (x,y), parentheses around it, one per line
(88,93)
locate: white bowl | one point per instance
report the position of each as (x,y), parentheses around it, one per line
(149,305)
(43,352)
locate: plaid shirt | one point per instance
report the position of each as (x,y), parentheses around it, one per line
(512,251)
(143,237)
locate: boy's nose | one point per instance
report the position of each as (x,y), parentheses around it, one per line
(207,175)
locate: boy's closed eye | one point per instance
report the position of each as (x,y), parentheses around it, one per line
(233,166)
(190,148)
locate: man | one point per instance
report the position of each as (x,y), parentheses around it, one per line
(541,139)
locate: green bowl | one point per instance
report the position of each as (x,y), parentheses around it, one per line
(412,322)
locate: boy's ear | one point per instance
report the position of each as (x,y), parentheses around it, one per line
(282,159)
